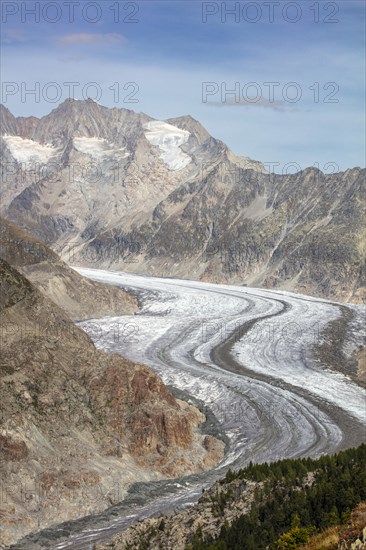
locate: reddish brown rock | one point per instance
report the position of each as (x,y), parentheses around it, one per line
(11,449)
(79,425)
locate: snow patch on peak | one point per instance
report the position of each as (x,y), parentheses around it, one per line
(98,148)
(26,150)
(168,138)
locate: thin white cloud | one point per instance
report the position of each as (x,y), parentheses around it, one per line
(90,38)
(276,105)
(14,35)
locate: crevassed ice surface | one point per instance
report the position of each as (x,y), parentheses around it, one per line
(182,322)
(168,138)
(269,395)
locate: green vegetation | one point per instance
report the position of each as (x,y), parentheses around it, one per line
(297,536)
(296,499)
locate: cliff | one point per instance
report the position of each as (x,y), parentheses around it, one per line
(79,426)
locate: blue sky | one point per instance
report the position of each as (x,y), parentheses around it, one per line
(296,69)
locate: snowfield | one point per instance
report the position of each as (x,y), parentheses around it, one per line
(26,150)
(168,138)
(247,355)
(98,148)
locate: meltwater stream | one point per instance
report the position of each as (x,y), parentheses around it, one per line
(245,356)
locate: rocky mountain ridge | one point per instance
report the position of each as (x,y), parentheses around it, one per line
(78,296)
(117,189)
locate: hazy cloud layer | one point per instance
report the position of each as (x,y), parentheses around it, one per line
(276,105)
(88,38)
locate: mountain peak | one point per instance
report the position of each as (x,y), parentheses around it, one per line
(76,105)
(8,121)
(195,128)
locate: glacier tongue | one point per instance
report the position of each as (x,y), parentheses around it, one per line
(168,138)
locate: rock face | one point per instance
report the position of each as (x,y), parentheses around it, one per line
(113,188)
(79,297)
(79,426)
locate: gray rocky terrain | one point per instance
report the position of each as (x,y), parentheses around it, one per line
(80,297)
(114,188)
